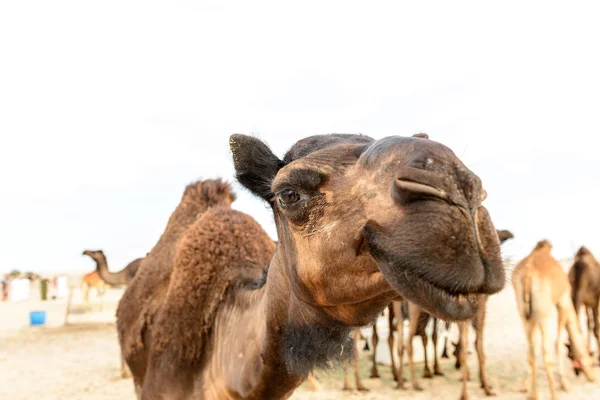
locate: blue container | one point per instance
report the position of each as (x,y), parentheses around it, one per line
(37,318)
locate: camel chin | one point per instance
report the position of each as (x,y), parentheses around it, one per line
(410,273)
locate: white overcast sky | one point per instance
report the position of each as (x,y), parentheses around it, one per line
(108,109)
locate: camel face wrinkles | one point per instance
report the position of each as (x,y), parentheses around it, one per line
(362,221)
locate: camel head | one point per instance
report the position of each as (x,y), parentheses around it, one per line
(584,255)
(362,221)
(94,254)
(543,245)
(583,364)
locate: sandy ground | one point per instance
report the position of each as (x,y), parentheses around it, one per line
(81,360)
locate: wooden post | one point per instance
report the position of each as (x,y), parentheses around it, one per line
(69,305)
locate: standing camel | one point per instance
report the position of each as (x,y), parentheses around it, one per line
(540,284)
(92,280)
(123,277)
(584,277)
(360,223)
(418,320)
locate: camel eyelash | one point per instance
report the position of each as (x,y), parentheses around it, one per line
(300,180)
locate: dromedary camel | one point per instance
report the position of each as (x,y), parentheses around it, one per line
(360,223)
(92,280)
(123,277)
(584,277)
(541,284)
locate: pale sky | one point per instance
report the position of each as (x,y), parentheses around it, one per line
(108,109)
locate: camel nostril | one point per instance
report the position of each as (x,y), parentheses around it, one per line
(405,191)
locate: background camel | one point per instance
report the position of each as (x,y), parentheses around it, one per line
(541,284)
(92,280)
(353,235)
(122,277)
(584,277)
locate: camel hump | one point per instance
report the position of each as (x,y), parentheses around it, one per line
(223,249)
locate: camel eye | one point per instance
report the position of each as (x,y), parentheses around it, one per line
(288,197)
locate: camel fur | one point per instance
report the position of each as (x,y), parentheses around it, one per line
(540,284)
(584,277)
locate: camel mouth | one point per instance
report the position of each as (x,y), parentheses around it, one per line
(437,301)
(455,301)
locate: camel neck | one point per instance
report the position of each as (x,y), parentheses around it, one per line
(101,265)
(270,336)
(111,278)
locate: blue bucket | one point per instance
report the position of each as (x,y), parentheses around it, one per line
(37,318)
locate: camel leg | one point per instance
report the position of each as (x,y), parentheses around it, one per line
(391,341)
(101,289)
(479,338)
(347,383)
(414,322)
(124,369)
(531,376)
(138,389)
(400,331)
(426,371)
(445,350)
(434,337)
(562,322)
(315,386)
(590,326)
(462,355)
(86,293)
(547,358)
(596,321)
(374,372)
(359,384)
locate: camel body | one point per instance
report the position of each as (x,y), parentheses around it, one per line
(540,284)
(92,280)
(584,277)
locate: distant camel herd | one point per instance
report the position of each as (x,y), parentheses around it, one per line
(217,310)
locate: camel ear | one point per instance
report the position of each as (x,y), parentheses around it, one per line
(255,164)
(504,235)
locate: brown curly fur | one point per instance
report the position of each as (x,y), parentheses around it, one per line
(223,249)
(145,294)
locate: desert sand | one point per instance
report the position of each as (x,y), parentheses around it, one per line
(80,360)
